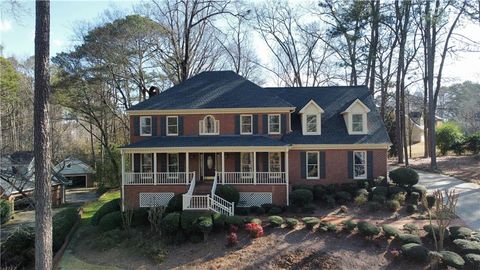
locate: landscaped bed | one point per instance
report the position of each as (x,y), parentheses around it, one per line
(365,225)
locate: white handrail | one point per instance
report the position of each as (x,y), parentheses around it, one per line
(247,178)
(214,185)
(163,178)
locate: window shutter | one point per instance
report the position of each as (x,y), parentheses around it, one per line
(284,123)
(180,125)
(369,164)
(265,124)
(162,157)
(322,165)
(350,164)
(136,125)
(136,162)
(265,162)
(181,162)
(258,161)
(255,123)
(163,126)
(282,162)
(237,124)
(303,173)
(237,162)
(154,125)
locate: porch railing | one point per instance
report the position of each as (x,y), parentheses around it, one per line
(251,178)
(162,178)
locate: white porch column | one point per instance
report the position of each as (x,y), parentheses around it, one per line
(187,167)
(223,167)
(254,168)
(286,174)
(155,168)
(123,180)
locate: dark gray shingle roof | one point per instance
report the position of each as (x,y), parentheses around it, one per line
(213,89)
(333,100)
(207,141)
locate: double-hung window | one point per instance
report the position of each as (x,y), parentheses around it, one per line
(147,163)
(246,164)
(312,123)
(172,165)
(274,163)
(357,122)
(246,124)
(274,124)
(313,165)
(145,126)
(172,125)
(359,165)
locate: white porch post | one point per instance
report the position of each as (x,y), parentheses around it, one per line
(123,180)
(223,167)
(286,174)
(254,168)
(187,167)
(154,168)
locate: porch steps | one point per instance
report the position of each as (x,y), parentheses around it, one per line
(202,189)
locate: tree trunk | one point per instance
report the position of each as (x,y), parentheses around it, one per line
(430,41)
(43,197)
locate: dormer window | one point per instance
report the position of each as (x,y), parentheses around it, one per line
(311,118)
(355,117)
(274,124)
(145,126)
(209,126)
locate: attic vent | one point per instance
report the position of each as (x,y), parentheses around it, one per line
(69,165)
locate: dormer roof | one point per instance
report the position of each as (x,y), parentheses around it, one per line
(354,104)
(311,103)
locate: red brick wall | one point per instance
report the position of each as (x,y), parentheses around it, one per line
(132,192)
(336,164)
(279,192)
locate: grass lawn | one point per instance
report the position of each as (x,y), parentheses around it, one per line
(90,208)
(69,261)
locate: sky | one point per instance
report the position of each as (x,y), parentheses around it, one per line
(17,34)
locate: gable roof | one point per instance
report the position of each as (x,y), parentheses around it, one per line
(334,100)
(311,103)
(213,89)
(357,101)
(72,165)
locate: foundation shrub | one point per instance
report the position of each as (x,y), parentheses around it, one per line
(318,192)
(393,190)
(301,197)
(234,220)
(330,201)
(218,221)
(275,210)
(411,208)
(108,207)
(404,177)
(242,211)
(175,204)
(309,208)
(255,230)
(361,200)
(374,206)
(228,193)
(362,191)
(170,224)
(187,221)
(343,196)
(275,221)
(291,222)
(111,221)
(252,220)
(309,187)
(310,222)
(400,197)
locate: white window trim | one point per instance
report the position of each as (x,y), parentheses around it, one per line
(270,154)
(319,124)
(353,164)
(279,124)
(168,162)
(141,162)
(140,125)
(251,124)
(318,165)
(246,174)
(216,125)
(166,126)
(364,123)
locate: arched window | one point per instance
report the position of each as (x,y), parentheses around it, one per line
(209,125)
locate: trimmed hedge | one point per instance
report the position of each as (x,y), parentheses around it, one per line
(390,231)
(218,221)
(452,259)
(252,220)
(466,246)
(458,232)
(392,205)
(175,204)
(415,252)
(309,187)
(291,222)
(431,229)
(472,261)
(343,197)
(19,247)
(301,197)
(310,222)
(5,211)
(108,207)
(188,219)
(234,220)
(405,238)
(111,221)
(349,225)
(411,228)
(404,177)
(275,221)
(228,193)
(275,210)
(170,224)
(411,208)
(368,229)
(63,223)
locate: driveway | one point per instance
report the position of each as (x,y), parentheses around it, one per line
(74,197)
(468,205)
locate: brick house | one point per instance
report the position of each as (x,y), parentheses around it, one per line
(218,128)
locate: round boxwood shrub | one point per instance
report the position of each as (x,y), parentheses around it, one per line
(291,222)
(5,211)
(318,192)
(390,231)
(405,238)
(242,211)
(431,229)
(380,198)
(310,222)
(415,252)
(330,201)
(175,204)
(392,205)
(108,207)
(111,221)
(19,247)
(309,208)
(368,229)
(374,206)
(459,232)
(452,259)
(472,261)
(275,221)
(188,219)
(218,221)
(466,246)
(349,225)
(234,220)
(343,196)
(446,135)
(170,224)
(252,220)
(205,225)
(229,193)
(411,208)
(404,177)
(301,197)
(140,217)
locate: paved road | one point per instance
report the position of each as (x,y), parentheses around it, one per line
(468,205)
